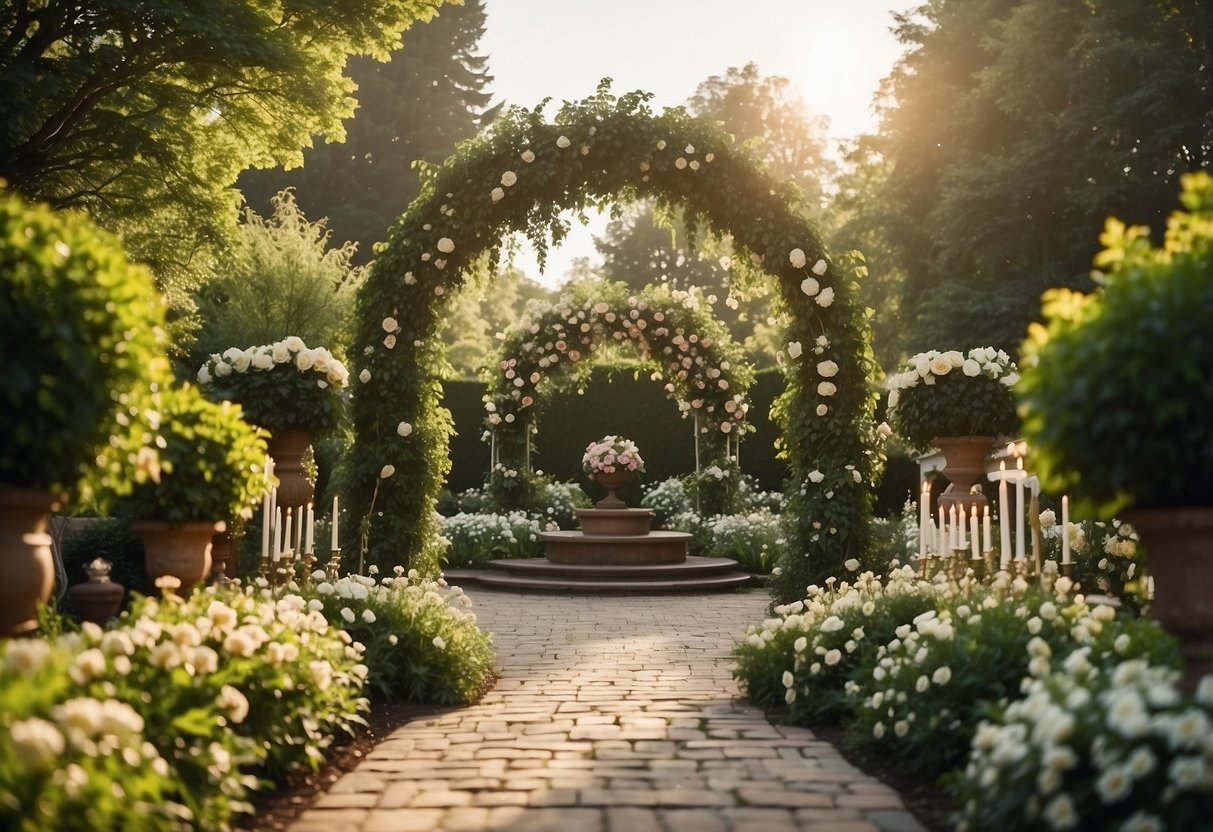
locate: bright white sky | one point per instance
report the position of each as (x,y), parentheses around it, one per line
(835,51)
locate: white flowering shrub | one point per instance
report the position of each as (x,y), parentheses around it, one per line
(476,539)
(754,540)
(802,658)
(1093,747)
(1107,558)
(920,701)
(668,499)
(421,639)
(166,719)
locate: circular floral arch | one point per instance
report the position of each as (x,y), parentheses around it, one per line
(519,176)
(555,345)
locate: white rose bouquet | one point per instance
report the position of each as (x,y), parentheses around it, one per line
(281,386)
(610,455)
(952,393)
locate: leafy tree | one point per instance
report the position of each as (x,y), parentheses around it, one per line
(1009,130)
(766,111)
(144,113)
(280,278)
(418,105)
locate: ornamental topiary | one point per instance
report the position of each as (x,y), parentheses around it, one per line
(1118,386)
(212,462)
(950,393)
(82,333)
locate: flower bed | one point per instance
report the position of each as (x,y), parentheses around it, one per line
(1043,711)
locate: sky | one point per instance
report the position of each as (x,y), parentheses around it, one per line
(834,51)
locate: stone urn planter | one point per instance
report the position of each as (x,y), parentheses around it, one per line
(97,600)
(287,448)
(964,458)
(182,550)
(611,481)
(1179,549)
(27,569)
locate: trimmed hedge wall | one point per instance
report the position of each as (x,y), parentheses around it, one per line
(621,400)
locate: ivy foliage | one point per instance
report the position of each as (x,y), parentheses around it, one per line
(1118,391)
(519,176)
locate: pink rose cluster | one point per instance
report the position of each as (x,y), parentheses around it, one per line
(611,454)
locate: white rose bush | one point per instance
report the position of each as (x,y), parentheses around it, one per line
(953,393)
(282,386)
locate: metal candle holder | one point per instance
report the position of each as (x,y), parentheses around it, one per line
(334,565)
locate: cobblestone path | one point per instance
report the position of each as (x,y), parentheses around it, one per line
(611,715)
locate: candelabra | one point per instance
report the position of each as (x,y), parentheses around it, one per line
(334,566)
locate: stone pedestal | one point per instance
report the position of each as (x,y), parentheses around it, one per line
(615,537)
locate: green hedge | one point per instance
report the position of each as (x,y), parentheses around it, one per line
(620,400)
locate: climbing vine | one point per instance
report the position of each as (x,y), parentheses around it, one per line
(519,176)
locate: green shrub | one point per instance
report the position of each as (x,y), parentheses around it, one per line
(82,333)
(422,642)
(475,539)
(754,540)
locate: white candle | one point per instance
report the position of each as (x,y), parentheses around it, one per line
(334,546)
(987,539)
(286,538)
(1065,530)
(924,519)
(1019,509)
(943,533)
(1004,518)
(973,533)
(277,533)
(265,526)
(299,531)
(311,528)
(958,517)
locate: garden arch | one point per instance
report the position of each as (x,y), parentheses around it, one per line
(518,176)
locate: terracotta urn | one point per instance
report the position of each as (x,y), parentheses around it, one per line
(182,550)
(97,600)
(964,458)
(287,448)
(1179,551)
(611,481)
(27,569)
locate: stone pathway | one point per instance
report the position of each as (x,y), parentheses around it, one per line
(611,715)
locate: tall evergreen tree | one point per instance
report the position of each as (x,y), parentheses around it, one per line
(431,95)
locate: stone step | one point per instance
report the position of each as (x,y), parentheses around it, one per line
(695,574)
(500,579)
(692,567)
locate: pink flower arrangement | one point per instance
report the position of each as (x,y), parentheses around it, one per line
(610,455)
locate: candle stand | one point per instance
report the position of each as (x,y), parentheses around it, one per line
(309,563)
(334,566)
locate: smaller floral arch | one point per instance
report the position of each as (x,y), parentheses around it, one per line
(556,343)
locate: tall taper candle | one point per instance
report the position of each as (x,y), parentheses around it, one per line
(334,546)
(286,538)
(311,528)
(1004,518)
(277,533)
(924,519)
(943,532)
(1065,530)
(987,539)
(1020,509)
(961,542)
(299,532)
(973,533)
(265,526)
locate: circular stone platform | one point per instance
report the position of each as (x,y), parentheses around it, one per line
(615,549)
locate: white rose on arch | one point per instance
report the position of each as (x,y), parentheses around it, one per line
(528,156)
(563,142)
(446,245)
(826,297)
(819,268)
(364,376)
(497,194)
(797,258)
(816,476)
(810,286)
(386,471)
(794,349)
(827,388)
(509,178)
(827,369)
(404,429)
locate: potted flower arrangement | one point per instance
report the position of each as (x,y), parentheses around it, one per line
(82,331)
(611,462)
(294,391)
(959,402)
(211,471)
(1117,400)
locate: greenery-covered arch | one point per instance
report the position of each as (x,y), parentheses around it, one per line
(555,345)
(519,176)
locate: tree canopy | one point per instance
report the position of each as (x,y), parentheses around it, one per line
(144,113)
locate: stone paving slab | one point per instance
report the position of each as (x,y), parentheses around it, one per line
(610,714)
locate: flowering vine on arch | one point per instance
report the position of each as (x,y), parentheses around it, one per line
(518,176)
(555,344)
